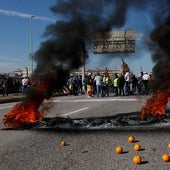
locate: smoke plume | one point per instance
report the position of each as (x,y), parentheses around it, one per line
(65,46)
(161,56)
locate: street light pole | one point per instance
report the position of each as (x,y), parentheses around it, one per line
(31,51)
(26,68)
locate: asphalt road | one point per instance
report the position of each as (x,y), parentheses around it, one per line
(85,150)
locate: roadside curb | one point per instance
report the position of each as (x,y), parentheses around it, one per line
(18,98)
(10,99)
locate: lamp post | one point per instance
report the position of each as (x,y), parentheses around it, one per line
(31,52)
(26,69)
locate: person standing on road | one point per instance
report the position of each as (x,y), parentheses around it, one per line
(89,85)
(24,85)
(80,86)
(75,85)
(127,86)
(98,80)
(5,87)
(121,83)
(115,84)
(145,79)
(85,81)
(106,85)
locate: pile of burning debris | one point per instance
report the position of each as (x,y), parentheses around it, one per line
(128,121)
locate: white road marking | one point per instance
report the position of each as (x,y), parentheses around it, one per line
(79,110)
(91,100)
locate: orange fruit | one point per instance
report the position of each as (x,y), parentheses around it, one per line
(137,159)
(168,145)
(63,143)
(137,147)
(165,157)
(131,139)
(119,149)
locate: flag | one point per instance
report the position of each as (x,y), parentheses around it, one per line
(125,67)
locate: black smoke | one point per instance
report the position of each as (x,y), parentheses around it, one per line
(160,35)
(65,46)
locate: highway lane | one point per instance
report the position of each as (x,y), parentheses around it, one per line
(81,106)
(88,150)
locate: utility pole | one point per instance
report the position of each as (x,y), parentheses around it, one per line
(31,51)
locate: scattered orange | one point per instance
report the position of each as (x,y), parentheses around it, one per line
(137,159)
(119,149)
(169,145)
(137,147)
(131,139)
(63,143)
(165,157)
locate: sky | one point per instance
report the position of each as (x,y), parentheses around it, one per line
(15,36)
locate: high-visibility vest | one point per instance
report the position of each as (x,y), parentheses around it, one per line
(106,80)
(115,82)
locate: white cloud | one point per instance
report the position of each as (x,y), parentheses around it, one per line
(23,15)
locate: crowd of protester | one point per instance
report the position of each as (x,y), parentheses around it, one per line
(9,85)
(75,85)
(101,85)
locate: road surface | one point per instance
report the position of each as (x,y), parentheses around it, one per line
(85,150)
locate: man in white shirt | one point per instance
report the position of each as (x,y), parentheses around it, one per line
(145,79)
(24,84)
(127,85)
(98,81)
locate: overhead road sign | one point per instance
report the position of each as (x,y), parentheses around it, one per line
(114,42)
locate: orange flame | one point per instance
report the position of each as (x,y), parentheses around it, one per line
(156,105)
(27,112)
